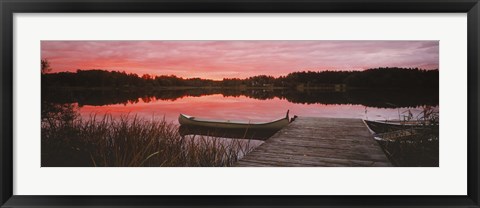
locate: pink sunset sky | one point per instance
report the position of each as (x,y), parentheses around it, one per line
(236,59)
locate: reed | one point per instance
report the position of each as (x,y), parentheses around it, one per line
(130,141)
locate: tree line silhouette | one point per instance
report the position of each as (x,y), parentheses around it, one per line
(392,78)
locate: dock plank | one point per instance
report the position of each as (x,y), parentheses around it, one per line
(319,142)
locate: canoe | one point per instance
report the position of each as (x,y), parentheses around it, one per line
(258,134)
(394,125)
(230,124)
(407,135)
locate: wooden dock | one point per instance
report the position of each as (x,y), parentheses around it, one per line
(319,142)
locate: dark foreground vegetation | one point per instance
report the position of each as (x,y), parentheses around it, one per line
(69,141)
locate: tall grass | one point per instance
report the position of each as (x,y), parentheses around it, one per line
(130,141)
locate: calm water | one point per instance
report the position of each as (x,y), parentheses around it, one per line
(248,107)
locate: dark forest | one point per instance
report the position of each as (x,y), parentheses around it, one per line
(386,78)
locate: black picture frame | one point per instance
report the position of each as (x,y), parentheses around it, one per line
(9,7)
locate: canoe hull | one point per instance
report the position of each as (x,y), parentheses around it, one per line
(385,126)
(191,121)
(262,134)
(407,135)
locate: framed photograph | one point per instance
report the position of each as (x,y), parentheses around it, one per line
(268,103)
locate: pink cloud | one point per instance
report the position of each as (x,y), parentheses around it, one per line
(227,59)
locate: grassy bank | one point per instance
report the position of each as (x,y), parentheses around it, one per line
(68,141)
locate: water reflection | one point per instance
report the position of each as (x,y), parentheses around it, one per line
(249,105)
